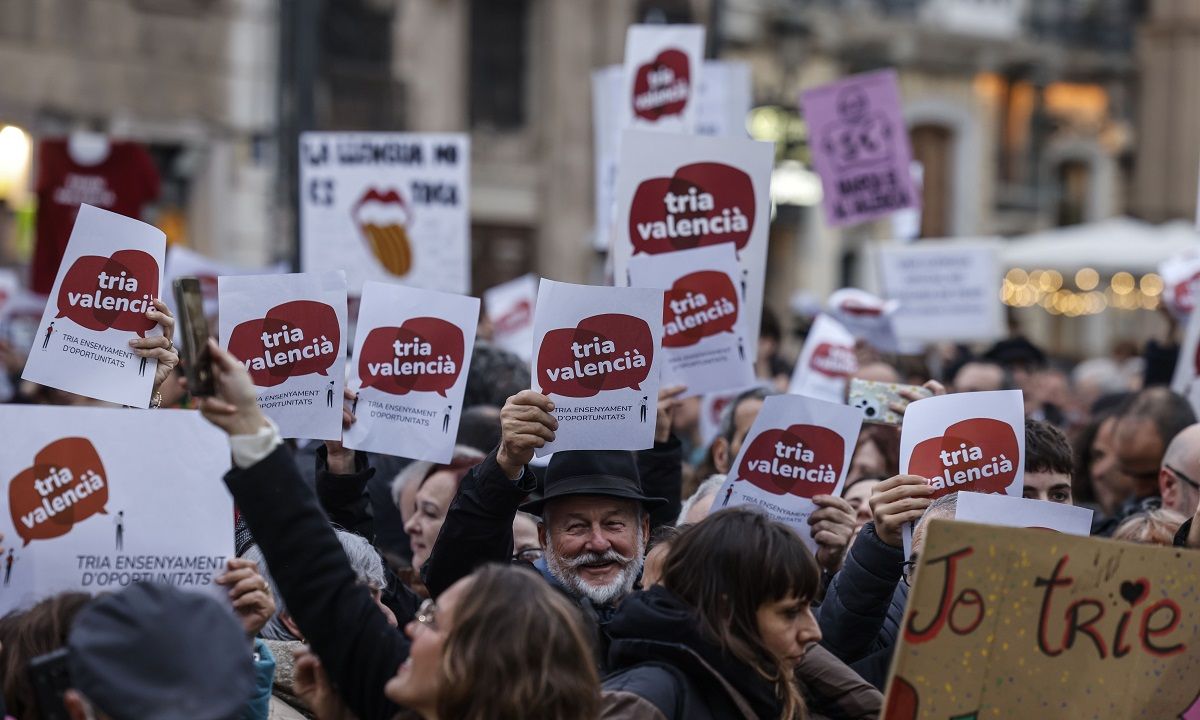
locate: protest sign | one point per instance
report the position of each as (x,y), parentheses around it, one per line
(387,206)
(1179,275)
(99,498)
(826,362)
(661,77)
(509,308)
(1014,623)
(10,285)
(596,355)
(859,144)
(1021,512)
(184,262)
(705,342)
(866,316)
(411,356)
(1187,365)
(110,275)
(947,291)
(678,192)
(289,331)
(797,447)
(725,99)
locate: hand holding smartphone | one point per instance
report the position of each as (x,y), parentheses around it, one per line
(193,328)
(878,400)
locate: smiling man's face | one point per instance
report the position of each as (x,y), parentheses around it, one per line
(595,544)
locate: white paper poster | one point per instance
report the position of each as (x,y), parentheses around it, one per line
(184,262)
(10,286)
(947,291)
(597,356)
(1007,511)
(1187,366)
(726,97)
(867,317)
(678,192)
(660,79)
(110,275)
(796,449)
(705,343)
(1180,274)
(289,331)
(509,308)
(411,356)
(85,512)
(387,206)
(826,362)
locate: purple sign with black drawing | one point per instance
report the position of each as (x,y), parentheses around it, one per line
(860,147)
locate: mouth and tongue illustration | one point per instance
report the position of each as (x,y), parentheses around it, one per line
(383,218)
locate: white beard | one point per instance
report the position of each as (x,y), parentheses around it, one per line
(565,571)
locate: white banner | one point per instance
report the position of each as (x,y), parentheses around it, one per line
(947,291)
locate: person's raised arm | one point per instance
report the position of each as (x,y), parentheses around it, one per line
(338,617)
(342,477)
(660,468)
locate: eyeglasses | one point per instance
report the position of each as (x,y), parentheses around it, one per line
(529,555)
(427,614)
(908,570)
(1195,485)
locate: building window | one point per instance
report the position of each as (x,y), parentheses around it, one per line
(357,88)
(499,64)
(1074,183)
(933,147)
(499,253)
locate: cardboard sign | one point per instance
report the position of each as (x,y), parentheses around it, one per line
(411,356)
(1011,623)
(83,513)
(387,206)
(797,447)
(1021,512)
(947,292)
(1179,275)
(509,307)
(860,149)
(705,342)
(866,316)
(596,356)
(289,331)
(660,78)
(676,192)
(826,362)
(110,275)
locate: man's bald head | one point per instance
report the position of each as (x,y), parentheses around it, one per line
(1144,429)
(1180,469)
(878,372)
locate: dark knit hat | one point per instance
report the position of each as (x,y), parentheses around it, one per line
(609,473)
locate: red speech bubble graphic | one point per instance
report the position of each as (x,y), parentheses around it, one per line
(296,338)
(662,86)
(518,316)
(115,292)
(703,204)
(65,485)
(980,454)
(698,305)
(383,218)
(423,354)
(803,460)
(603,352)
(834,360)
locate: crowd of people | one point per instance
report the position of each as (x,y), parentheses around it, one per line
(598,585)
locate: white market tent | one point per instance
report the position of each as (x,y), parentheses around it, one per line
(1108,246)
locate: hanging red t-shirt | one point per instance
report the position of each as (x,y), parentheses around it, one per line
(124,182)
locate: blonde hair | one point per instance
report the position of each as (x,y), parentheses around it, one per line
(1153,527)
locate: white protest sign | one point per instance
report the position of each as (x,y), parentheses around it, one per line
(826,362)
(110,275)
(509,308)
(866,316)
(705,343)
(660,79)
(726,97)
(10,286)
(1179,274)
(184,262)
(965,442)
(387,206)
(85,511)
(947,291)
(289,331)
(1008,511)
(1187,366)
(678,192)
(410,359)
(797,448)
(596,355)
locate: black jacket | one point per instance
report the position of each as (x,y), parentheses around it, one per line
(341,622)
(863,609)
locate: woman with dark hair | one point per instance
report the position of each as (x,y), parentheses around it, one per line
(27,634)
(722,634)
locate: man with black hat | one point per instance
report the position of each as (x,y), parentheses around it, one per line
(597,507)
(153,652)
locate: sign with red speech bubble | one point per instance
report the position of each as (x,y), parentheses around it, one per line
(705,343)
(796,449)
(411,354)
(676,193)
(82,513)
(660,85)
(387,206)
(289,332)
(509,308)
(826,362)
(184,262)
(967,442)
(110,276)
(596,355)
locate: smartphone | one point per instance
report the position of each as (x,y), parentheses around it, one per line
(193,329)
(50,678)
(875,399)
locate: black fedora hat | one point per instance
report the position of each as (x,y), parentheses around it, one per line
(607,473)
